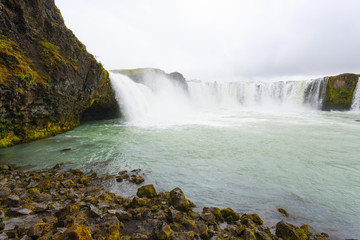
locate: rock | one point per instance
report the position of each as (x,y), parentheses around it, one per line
(20,222)
(163,232)
(2,213)
(4,191)
(208,217)
(35,231)
(339,92)
(253,218)
(95,211)
(58,83)
(202,229)
(66,150)
(3,236)
(230,215)
(15,212)
(289,231)
(12,201)
(248,234)
(179,201)
(146,191)
(137,179)
(215,211)
(120,214)
(76,233)
(283,212)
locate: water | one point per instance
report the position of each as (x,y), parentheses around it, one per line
(225,146)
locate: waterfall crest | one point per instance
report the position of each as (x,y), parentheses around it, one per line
(159,98)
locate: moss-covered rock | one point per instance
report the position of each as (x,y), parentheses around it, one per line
(49,83)
(230,215)
(288,231)
(77,232)
(339,92)
(146,191)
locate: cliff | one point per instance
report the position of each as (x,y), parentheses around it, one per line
(49,83)
(339,92)
(140,74)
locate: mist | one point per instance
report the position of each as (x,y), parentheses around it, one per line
(221,40)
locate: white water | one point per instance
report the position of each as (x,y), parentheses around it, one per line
(355,106)
(160,100)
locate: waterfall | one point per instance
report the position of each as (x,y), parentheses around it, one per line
(157,98)
(160,99)
(315,92)
(355,105)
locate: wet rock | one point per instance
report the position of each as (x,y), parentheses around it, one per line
(208,217)
(283,212)
(289,231)
(179,201)
(146,191)
(76,233)
(20,222)
(202,229)
(215,211)
(4,191)
(40,207)
(137,179)
(248,234)
(66,150)
(163,232)
(16,212)
(3,236)
(230,215)
(2,213)
(120,214)
(262,235)
(12,201)
(249,220)
(94,211)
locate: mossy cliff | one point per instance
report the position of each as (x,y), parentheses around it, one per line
(140,74)
(49,83)
(339,92)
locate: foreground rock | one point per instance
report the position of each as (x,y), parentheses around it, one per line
(58,204)
(49,83)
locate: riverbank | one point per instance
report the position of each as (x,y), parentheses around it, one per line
(58,203)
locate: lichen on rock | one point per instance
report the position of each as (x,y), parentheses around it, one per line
(339,92)
(49,83)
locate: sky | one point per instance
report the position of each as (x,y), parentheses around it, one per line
(221,39)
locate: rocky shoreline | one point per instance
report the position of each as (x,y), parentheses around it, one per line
(58,203)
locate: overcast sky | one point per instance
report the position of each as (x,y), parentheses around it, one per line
(221,39)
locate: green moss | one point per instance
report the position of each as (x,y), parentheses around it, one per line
(146,191)
(340,91)
(14,64)
(25,133)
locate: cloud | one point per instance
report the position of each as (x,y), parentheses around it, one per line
(213,39)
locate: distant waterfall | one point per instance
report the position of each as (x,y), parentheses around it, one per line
(355,105)
(264,94)
(159,99)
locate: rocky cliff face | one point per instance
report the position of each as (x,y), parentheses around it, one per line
(339,92)
(49,83)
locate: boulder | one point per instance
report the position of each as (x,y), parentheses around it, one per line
(288,231)
(146,191)
(179,201)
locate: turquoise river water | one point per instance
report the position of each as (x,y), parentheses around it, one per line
(251,159)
